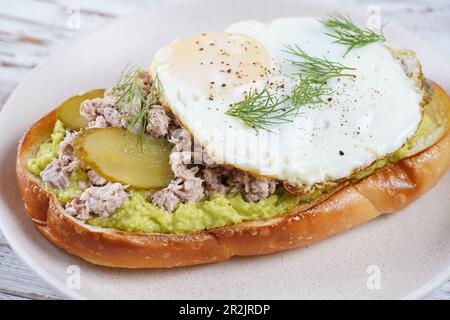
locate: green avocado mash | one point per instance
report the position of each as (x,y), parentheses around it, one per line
(48,150)
(66,194)
(138,214)
(46,153)
(426,131)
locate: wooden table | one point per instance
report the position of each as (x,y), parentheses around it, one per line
(30,30)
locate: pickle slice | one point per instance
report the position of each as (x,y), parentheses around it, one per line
(116,155)
(69,111)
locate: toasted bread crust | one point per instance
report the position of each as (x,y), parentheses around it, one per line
(388,190)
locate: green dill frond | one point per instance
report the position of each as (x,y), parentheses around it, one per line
(261,110)
(349,34)
(133,94)
(317,69)
(158,85)
(308,92)
(140,118)
(130,88)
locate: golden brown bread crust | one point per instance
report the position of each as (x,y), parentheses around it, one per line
(389,189)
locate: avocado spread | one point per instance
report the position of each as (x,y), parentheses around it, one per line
(48,150)
(138,214)
(65,195)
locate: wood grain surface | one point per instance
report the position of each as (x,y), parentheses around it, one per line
(30,30)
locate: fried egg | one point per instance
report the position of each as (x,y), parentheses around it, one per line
(364,117)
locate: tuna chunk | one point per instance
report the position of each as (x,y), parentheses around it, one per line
(77,208)
(57,173)
(208,160)
(253,188)
(165,199)
(112,117)
(99,122)
(95,179)
(98,201)
(188,190)
(213,180)
(106,117)
(100,112)
(88,108)
(158,122)
(179,162)
(66,152)
(185,188)
(179,190)
(182,140)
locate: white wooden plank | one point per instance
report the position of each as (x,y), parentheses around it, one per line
(4,296)
(106,8)
(17,282)
(47,13)
(16,279)
(31,30)
(25,42)
(443,293)
(33,11)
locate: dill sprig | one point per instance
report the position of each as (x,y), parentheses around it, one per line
(316,69)
(308,92)
(261,110)
(349,34)
(134,96)
(130,88)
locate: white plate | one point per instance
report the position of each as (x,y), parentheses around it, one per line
(410,248)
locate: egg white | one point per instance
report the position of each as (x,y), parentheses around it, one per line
(365,118)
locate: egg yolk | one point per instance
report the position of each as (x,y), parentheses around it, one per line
(220,64)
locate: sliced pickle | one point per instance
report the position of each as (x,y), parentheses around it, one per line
(69,111)
(435,123)
(116,155)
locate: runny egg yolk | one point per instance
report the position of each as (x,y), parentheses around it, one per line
(219,64)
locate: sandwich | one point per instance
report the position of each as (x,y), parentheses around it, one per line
(257,139)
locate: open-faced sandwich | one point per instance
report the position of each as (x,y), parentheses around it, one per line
(262,138)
